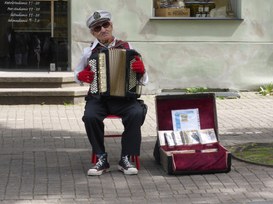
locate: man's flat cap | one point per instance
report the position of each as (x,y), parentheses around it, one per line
(97,17)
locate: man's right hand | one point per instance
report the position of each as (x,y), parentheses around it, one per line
(86,75)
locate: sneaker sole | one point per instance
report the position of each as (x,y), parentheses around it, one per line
(133,171)
(97,173)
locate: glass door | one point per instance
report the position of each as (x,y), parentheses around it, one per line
(34,34)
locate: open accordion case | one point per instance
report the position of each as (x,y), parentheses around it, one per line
(187,135)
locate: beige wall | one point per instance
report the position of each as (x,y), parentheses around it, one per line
(236,54)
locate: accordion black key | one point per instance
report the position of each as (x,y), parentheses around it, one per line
(113,73)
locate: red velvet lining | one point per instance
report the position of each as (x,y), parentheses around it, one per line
(204,103)
(201,161)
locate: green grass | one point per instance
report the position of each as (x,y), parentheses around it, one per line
(266,90)
(259,153)
(196,90)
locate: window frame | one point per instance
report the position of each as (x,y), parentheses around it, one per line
(236,5)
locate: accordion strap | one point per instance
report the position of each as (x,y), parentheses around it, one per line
(97,49)
(122,45)
(119,45)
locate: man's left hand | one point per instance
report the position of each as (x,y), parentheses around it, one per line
(138,66)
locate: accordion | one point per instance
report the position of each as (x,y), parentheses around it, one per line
(113,74)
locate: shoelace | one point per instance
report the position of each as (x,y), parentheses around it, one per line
(99,163)
(127,162)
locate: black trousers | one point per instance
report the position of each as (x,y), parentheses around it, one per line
(132,112)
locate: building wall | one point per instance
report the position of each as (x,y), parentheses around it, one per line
(235,54)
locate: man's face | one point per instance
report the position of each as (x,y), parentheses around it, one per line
(103,31)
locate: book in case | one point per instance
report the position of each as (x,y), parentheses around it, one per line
(207,136)
(191,137)
(186,137)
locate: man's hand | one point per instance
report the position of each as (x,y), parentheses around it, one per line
(86,75)
(138,66)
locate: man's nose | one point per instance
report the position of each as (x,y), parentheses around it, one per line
(103,29)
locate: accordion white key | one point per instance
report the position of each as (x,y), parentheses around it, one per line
(113,73)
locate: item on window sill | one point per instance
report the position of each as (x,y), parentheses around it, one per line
(219,12)
(229,10)
(172,12)
(178,4)
(181,4)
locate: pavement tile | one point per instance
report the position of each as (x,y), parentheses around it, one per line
(45,155)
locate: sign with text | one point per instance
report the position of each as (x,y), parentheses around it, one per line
(29,14)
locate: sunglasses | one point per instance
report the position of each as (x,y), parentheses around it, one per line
(98,27)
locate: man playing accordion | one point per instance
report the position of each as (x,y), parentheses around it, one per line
(98,106)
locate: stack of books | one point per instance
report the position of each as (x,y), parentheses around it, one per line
(187,137)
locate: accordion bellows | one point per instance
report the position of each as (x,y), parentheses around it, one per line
(113,73)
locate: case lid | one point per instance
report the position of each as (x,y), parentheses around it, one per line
(205,102)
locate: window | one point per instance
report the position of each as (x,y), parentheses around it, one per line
(34,34)
(198,9)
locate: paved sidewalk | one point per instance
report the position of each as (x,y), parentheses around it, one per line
(45,155)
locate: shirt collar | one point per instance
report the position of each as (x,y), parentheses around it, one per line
(96,42)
